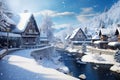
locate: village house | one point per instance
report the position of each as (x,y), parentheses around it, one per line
(7,37)
(102,41)
(115,39)
(24,34)
(28,29)
(78,37)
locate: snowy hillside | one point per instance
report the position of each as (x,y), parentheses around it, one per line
(106,19)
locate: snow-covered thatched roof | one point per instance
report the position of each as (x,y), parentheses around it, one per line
(74,33)
(104,31)
(22,24)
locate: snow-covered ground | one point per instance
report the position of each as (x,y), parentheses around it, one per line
(99,58)
(116,67)
(69,49)
(25,64)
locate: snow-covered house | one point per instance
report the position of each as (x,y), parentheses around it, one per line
(103,41)
(115,39)
(78,36)
(43,37)
(117,33)
(28,30)
(104,34)
(6,34)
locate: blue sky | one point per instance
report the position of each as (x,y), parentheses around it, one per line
(63,13)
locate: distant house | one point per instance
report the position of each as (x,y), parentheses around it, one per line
(103,33)
(117,33)
(78,37)
(103,41)
(43,37)
(115,42)
(28,30)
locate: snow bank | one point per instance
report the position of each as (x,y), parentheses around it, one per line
(115,68)
(48,57)
(69,49)
(82,76)
(23,60)
(99,58)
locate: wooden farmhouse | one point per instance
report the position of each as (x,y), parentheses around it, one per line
(103,41)
(7,37)
(28,30)
(78,36)
(24,33)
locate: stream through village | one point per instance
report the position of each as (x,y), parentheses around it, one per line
(101,72)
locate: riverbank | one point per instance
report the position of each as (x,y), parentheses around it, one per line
(92,71)
(95,55)
(19,65)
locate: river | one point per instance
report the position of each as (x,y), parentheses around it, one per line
(92,71)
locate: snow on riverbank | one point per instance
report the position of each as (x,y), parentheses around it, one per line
(69,49)
(49,57)
(99,58)
(115,68)
(23,60)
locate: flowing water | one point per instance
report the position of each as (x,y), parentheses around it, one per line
(92,71)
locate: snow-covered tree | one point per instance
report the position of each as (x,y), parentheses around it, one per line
(4,8)
(46,27)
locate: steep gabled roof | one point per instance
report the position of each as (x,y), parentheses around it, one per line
(107,31)
(117,30)
(75,32)
(23,22)
(104,32)
(67,37)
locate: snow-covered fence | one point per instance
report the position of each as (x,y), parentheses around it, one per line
(45,52)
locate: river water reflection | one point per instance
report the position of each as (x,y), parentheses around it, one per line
(92,71)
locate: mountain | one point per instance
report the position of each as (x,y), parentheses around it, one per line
(107,19)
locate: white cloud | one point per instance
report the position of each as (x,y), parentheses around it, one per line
(54,13)
(86,14)
(85,17)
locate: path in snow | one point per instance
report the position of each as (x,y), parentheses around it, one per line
(19,65)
